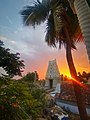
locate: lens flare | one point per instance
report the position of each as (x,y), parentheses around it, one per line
(79,83)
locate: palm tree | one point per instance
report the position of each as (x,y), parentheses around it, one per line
(82,9)
(62,25)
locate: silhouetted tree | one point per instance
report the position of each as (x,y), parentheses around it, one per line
(31,77)
(10,62)
(84,77)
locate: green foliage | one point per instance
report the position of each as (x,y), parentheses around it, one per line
(30,77)
(10,62)
(40,94)
(18,102)
(11,97)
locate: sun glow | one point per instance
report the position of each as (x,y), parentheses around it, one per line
(79,83)
(69,77)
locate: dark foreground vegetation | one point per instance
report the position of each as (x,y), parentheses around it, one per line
(20,100)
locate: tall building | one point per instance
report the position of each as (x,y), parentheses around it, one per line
(52,77)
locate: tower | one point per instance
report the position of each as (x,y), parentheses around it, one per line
(52,75)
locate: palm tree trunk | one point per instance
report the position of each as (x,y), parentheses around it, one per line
(83,13)
(77,88)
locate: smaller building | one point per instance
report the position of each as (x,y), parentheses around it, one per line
(52,77)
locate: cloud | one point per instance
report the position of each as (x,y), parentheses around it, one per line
(29,42)
(34,50)
(28,1)
(17,46)
(30,38)
(36,54)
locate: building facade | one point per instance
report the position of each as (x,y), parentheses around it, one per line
(52,77)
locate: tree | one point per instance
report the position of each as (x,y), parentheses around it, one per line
(61,28)
(31,77)
(84,77)
(13,95)
(82,9)
(10,62)
(18,102)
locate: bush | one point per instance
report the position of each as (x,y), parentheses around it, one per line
(17,102)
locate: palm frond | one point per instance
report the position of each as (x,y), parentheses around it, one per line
(71,23)
(38,2)
(77,35)
(51,36)
(36,14)
(88,1)
(58,19)
(26,12)
(50,32)
(58,14)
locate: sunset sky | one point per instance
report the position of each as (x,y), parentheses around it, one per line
(30,42)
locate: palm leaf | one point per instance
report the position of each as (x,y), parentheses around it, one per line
(36,14)
(54,14)
(50,32)
(58,19)
(88,1)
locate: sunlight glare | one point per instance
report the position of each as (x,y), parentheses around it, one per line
(78,82)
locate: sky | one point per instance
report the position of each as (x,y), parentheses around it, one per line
(30,42)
